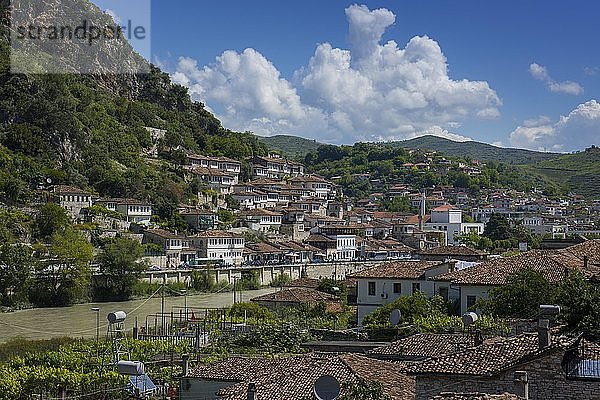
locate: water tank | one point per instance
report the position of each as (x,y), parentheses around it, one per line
(469,318)
(116,317)
(131,368)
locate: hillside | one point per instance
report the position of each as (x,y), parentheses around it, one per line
(90,131)
(291,146)
(578,172)
(476,150)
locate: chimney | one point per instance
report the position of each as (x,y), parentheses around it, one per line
(185,364)
(252,391)
(478,338)
(585,262)
(522,385)
(544,339)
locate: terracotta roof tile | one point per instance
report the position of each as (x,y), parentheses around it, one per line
(296,295)
(494,355)
(397,270)
(552,264)
(425,345)
(293,377)
(453,251)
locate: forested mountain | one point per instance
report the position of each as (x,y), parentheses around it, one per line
(387,164)
(89,131)
(476,150)
(290,145)
(578,172)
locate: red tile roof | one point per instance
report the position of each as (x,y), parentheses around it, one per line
(396,270)
(293,377)
(554,265)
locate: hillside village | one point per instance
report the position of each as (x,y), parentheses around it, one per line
(423,269)
(290,225)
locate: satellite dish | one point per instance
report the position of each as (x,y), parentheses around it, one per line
(49,181)
(327,387)
(469,318)
(395,317)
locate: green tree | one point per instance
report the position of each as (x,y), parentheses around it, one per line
(364,390)
(411,307)
(581,304)
(121,268)
(498,228)
(64,279)
(51,219)
(16,266)
(521,296)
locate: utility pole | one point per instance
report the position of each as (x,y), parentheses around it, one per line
(97,311)
(234,284)
(162,303)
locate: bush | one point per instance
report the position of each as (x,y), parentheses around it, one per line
(280,280)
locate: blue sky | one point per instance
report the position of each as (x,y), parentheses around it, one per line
(514,73)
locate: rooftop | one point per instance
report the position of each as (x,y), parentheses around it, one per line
(452,251)
(554,265)
(494,355)
(297,295)
(397,270)
(425,345)
(283,378)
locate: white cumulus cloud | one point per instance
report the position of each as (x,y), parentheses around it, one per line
(372,91)
(540,72)
(574,131)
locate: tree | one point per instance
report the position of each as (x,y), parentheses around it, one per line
(498,227)
(65,278)
(120,267)
(364,390)
(521,296)
(581,304)
(16,265)
(51,219)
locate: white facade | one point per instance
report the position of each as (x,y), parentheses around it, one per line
(449,220)
(219,246)
(346,247)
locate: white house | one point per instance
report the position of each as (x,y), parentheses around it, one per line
(448,219)
(72,199)
(261,219)
(134,210)
(381,285)
(219,245)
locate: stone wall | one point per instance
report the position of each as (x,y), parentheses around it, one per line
(546,381)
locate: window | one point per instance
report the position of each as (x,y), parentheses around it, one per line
(444,293)
(471,302)
(416,286)
(397,287)
(371,288)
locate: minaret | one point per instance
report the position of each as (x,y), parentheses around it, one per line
(422,211)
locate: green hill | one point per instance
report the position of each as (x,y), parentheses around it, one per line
(291,146)
(578,172)
(90,131)
(476,150)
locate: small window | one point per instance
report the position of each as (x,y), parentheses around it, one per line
(397,287)
(416,286)
(444,293)
(371,288)
(471,302)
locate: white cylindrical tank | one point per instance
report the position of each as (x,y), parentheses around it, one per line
(116,317)
(131,368)
(469,318)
